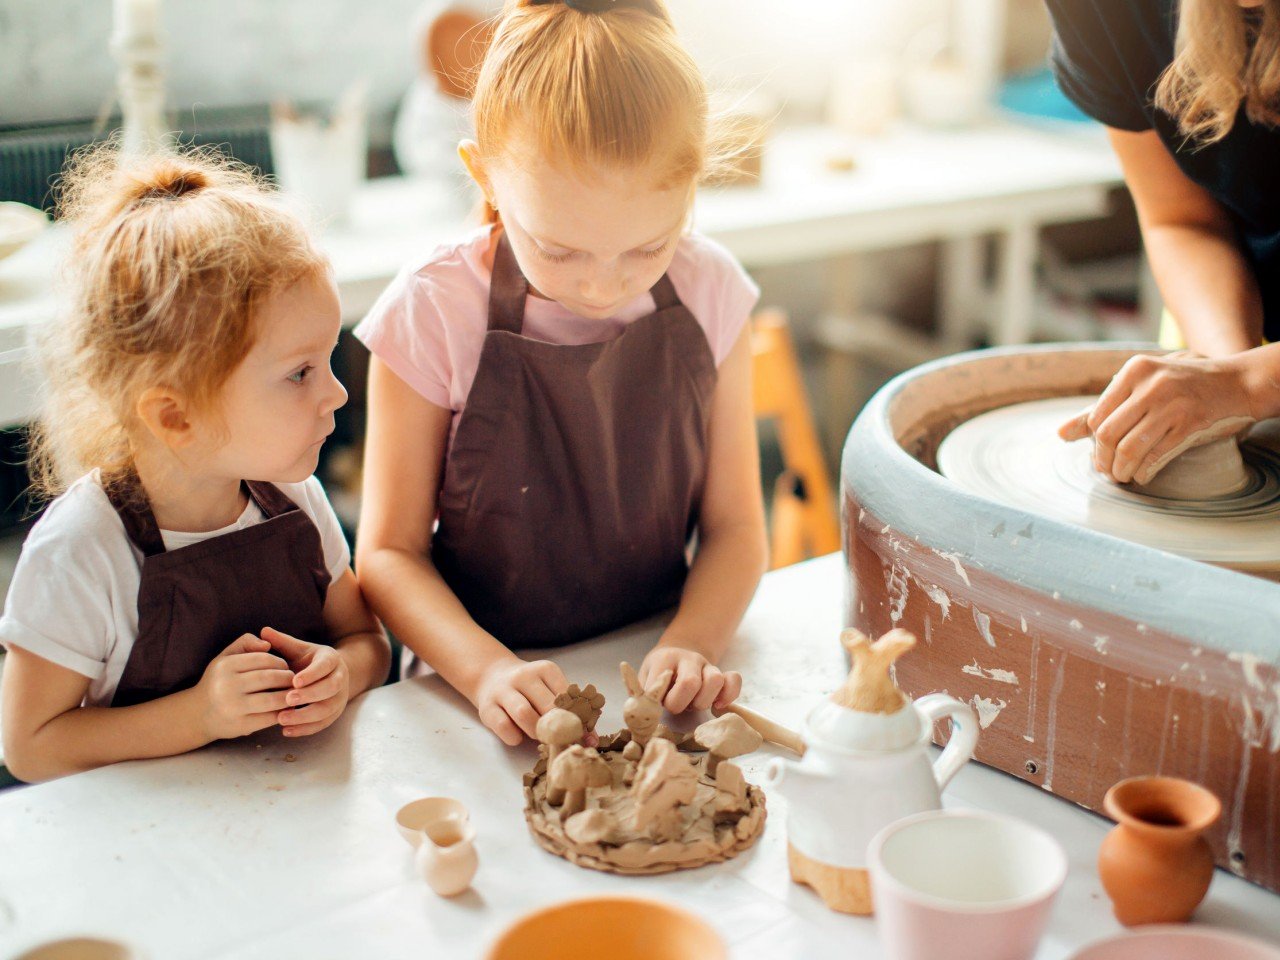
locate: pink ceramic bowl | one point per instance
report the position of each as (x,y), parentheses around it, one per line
(963,885)
(1178,943)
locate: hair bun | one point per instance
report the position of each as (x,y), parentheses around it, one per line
(604,6)
(169,179)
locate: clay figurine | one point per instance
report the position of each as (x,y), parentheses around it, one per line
(557,730)
(726,737)
(586,703)
(572,772)
(645,800)
(865,766)
(643,709)
(664,783)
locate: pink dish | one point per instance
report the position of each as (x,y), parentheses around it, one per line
(1179,943)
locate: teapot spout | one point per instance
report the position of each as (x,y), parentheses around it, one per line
(790,778)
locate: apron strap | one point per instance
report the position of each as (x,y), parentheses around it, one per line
(664,294)
(270,499)
(507,290)
(131,505)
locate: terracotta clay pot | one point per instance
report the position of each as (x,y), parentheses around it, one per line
(1156,864)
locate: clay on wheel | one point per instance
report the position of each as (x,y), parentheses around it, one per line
(1013,455)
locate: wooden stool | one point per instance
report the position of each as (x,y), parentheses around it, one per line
(804,522)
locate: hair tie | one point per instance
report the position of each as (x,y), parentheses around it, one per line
(587,6)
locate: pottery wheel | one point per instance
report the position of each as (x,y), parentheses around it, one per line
(1013,455)
(711,831)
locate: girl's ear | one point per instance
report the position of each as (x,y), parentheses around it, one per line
(165,415)
(469,154)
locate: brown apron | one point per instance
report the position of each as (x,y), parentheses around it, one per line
(572,486)
(195,601)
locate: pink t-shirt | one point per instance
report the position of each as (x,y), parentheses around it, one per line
(429,324)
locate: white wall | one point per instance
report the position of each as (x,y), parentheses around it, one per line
(54,62)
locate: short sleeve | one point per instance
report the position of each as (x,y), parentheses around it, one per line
(405,329)
(740,296)
(1105,57)
(59,604)
(311,496)
(718,290)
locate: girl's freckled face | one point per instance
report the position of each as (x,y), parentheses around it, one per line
(592,238)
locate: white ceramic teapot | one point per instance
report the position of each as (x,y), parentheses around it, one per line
(866,764)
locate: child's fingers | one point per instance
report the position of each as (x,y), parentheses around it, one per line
(521,712)
(540,696)
(322,689)
(312,713)
(247,662)
(732,690)
(245,643)
(687,683)
(307,729)
(272,701)
(712,684)
(254,722)
(496,719)
(255,681)
(553,677)
(291,647)
(318,669)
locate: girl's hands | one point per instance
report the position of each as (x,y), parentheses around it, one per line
(696,681)
(513,694)
(321,684)
(243,689)
(1155,404)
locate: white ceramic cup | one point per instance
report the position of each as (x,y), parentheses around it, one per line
(963,885)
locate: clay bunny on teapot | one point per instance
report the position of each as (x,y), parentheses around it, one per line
(865,766)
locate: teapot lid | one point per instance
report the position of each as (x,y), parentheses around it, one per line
(831,726)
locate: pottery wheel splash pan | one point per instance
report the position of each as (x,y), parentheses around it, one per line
(1088,657)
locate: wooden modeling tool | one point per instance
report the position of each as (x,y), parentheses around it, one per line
(772,731)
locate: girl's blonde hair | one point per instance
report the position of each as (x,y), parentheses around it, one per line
(170,257)
(1216,69)
(612,87)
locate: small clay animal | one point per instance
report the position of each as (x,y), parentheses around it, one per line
(643,709)
(870,687)
(586,703)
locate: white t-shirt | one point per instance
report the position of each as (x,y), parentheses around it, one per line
(74,596)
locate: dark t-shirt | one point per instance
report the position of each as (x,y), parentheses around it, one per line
(1107,56)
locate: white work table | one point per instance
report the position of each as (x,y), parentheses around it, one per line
(232,852)
(911,185)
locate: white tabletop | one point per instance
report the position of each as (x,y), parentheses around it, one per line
(233,852)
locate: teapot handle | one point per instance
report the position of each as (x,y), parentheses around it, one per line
(964,734)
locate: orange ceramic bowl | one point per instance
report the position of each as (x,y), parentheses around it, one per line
(620,928)
(81,948)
